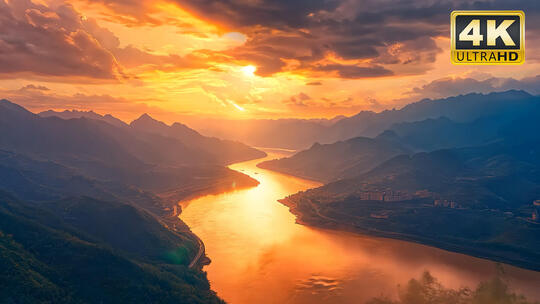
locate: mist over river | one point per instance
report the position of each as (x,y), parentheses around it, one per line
(260,255)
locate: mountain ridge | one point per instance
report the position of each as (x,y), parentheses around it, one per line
(187,139)
(426,135)
(476,195)
(301,134)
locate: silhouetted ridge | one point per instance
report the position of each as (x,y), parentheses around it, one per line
(146,120)
(70,114)
(301,134)
(155,142)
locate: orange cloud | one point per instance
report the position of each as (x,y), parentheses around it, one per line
(306,58)
(43,41)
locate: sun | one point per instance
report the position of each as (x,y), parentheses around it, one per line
(249,70)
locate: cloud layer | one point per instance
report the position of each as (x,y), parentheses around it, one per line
(309,57)
(38,39)
(330,38)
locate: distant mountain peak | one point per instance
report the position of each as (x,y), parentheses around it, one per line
(70,114)
(6,104)
(147,123)
(146,118)
(514,92)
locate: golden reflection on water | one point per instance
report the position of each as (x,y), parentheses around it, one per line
(260,255)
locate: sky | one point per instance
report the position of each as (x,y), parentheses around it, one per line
(244,59)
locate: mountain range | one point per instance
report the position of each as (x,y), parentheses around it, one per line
(82,250)
(468,185)
(333,161)
(188,145)
(477,200)
(348,158)
(302,133)
(88,203)
(88,207)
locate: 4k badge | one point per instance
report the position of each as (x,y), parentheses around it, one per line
(487,37)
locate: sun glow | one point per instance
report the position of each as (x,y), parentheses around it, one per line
(240,108)
(249,70)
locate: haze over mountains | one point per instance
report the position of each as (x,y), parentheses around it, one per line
(477,200)
(473,122)
(79,188)
(69,114)
(81,250)
(88,207)
(217,150)
(333,161)
(468,185)
(99,150)
(301,134)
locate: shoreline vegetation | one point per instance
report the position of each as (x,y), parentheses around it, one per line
(428,290)
(236,181)
(174,198)
(461,174)
(95,220)
(450,199)
(310,216)
(76,250)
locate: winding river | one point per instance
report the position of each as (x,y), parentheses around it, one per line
(260,255)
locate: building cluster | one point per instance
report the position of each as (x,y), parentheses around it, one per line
(384,196)
(445,203)
(397,196)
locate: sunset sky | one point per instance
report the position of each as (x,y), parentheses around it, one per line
(235,59)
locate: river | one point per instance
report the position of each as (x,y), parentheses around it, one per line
(260,255)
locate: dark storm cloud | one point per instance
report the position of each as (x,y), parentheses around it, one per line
(382,36)
(349,30)
(397,32)
(268,13)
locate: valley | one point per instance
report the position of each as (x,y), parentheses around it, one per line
(275,258)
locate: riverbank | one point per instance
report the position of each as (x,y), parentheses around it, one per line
(174,224)
(232,181)
(260,255)
(268,166)
(428,230)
